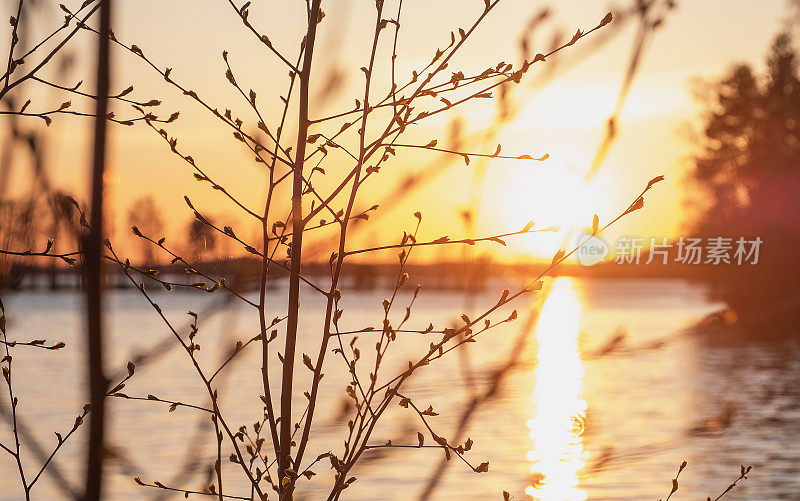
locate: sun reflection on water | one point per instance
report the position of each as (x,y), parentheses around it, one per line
(560,411)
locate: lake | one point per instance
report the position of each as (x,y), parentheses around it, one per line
(578,416)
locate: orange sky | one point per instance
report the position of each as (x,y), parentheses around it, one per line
(565,118)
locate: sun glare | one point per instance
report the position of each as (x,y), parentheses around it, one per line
(557,424)
(551,196)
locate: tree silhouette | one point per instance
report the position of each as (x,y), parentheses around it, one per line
(750,169)
(146,215)
(202,239)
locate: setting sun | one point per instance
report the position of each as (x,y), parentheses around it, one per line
(550,195)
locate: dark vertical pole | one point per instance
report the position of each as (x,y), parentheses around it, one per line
(98,385)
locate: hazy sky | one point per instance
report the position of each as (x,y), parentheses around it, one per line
(565,118)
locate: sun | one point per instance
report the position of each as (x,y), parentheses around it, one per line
(550,196)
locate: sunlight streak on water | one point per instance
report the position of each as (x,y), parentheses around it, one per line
(557,424)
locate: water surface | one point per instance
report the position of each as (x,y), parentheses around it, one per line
(576,418)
